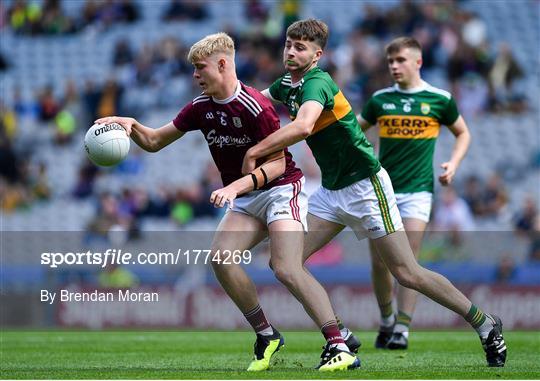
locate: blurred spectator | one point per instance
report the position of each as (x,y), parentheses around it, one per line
(84,185)
(123,54)
(8,122)
(34,18)
(103,14)
(534,249)
(526,217)
(90,12)
(128,11)
(24,18)
(506,269)
(53,19)
(106,217)
(503,74)
(91,98)
(473,30)
(495,197)
(65,124)
(9,162)
(72,103)
(473,195)
(48,104)
(181,10)
(452,213)
(110,99)
(158,205)
(256,12)
(4,65)
(40,182)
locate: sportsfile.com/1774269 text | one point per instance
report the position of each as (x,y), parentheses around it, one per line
(119,257)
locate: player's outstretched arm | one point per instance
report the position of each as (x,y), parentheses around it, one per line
(149,139)
(286,136)
(273,167)
(463,140)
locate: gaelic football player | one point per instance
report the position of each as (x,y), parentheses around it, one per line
(269,201)
(356,191)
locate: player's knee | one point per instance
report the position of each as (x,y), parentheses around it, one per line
(285,274)
(407,277)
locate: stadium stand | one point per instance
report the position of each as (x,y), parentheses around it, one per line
(153,84)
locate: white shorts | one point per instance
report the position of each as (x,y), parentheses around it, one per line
(284,202)
(415,205)
(368,206)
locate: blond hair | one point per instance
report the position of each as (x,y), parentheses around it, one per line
(213,43)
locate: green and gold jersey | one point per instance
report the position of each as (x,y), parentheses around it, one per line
(409,123)
(338,144)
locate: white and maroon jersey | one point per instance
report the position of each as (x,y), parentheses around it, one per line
(231,126)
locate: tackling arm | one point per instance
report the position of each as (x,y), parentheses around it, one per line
(292,133)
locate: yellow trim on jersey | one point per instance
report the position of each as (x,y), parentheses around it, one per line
(408,127)
(341,108)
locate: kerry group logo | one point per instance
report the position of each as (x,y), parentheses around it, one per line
(408,127)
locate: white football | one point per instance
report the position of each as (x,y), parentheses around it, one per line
(106,144)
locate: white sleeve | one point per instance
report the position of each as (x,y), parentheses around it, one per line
(266,93)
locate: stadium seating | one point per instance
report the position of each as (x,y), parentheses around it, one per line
(504,143)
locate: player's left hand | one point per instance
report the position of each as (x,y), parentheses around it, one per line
(249,164)
(220,196)
(449,172)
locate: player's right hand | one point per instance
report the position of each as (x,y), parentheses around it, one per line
(224,195)
(125,122)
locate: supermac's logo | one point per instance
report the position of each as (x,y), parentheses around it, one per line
(408,127)
(226,140)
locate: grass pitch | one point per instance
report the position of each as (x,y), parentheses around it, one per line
(225,355)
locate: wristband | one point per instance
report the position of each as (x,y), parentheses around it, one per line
(254,179)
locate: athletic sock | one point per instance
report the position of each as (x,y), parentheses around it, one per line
(258,321)
(403,322)
(345,332)
(387,316)
(480,321)
(340,324)
(332,335)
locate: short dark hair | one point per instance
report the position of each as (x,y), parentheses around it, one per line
(311,30)
(401,43)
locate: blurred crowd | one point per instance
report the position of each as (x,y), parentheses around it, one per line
(483,78)
(49,18)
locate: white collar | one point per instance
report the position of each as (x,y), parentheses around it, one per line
(231,98)
(424,85)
